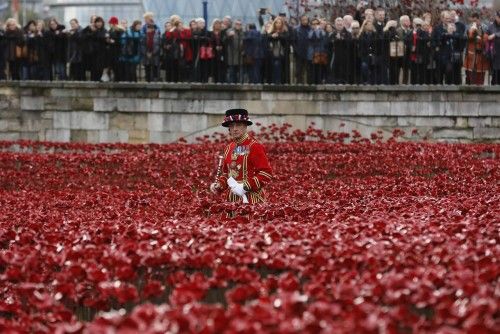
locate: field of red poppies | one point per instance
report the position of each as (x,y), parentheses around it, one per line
(365,237)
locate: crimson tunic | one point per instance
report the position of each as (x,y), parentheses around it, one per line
(246,161)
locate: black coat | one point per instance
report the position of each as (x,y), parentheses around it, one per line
(494,28)
(57,44)
(370,48)
(13,39)
(342,46)
(419,53)
(75,45)
(95,45)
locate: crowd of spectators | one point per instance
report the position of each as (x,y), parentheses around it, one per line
(363,48)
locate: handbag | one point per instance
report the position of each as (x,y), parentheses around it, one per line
(21,52)
(248,60)
(320,58)
(397,49)
(206,53)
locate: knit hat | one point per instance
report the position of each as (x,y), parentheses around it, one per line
(113,20)
(236,115)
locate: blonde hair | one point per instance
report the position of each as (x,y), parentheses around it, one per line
(273,29)
(175,19)
(366,24)
(216,21)
(11,21)
(148,15)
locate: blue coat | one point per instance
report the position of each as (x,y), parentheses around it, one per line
(252,44)
(130,43)
(301,41)
(155,58)
(317,42)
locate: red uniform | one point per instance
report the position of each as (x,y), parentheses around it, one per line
(247,163)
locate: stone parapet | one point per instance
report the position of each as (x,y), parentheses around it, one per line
(164,112)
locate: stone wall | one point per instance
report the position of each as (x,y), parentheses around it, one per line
(140,113)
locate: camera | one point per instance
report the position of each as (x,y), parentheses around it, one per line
(262,11)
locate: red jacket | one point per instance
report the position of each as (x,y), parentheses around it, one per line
(247,163)
(184,38)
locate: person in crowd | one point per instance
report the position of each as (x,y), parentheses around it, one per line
(96,37)
(75,55)
(316,52)
(233,42)
(278,37)
(2,53)
(369,16)
(170,54)
(342,56)
(382,66)
(415,46)
(205,51)
(394,52)
(430,75)
(44,67)
(369,51)
(30,63)
(130,43)
(124,24)
(252,53)
(151,48)
(356,29)
(404,31)
(347,20)
(379,21)
(192,25)
(450,45)
(14,48)
(493,48)
(476,63)
(427,18)
(87,46)
(180,48)
(356,60)
(57,46)
(114,49)
(218,64)
(300,46)
(267,61)
(227,23)
(448,42)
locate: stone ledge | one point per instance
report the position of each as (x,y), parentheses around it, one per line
(6,87)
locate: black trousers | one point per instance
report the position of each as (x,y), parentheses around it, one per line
(77,72)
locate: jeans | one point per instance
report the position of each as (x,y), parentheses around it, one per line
(277,69)
(234,74)
(60,70)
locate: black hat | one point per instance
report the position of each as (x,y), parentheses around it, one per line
(236,115)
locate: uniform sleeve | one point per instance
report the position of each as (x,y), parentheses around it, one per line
(263,171)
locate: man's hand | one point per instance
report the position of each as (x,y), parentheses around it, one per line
(215,187)
(236,188)
(491,37)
